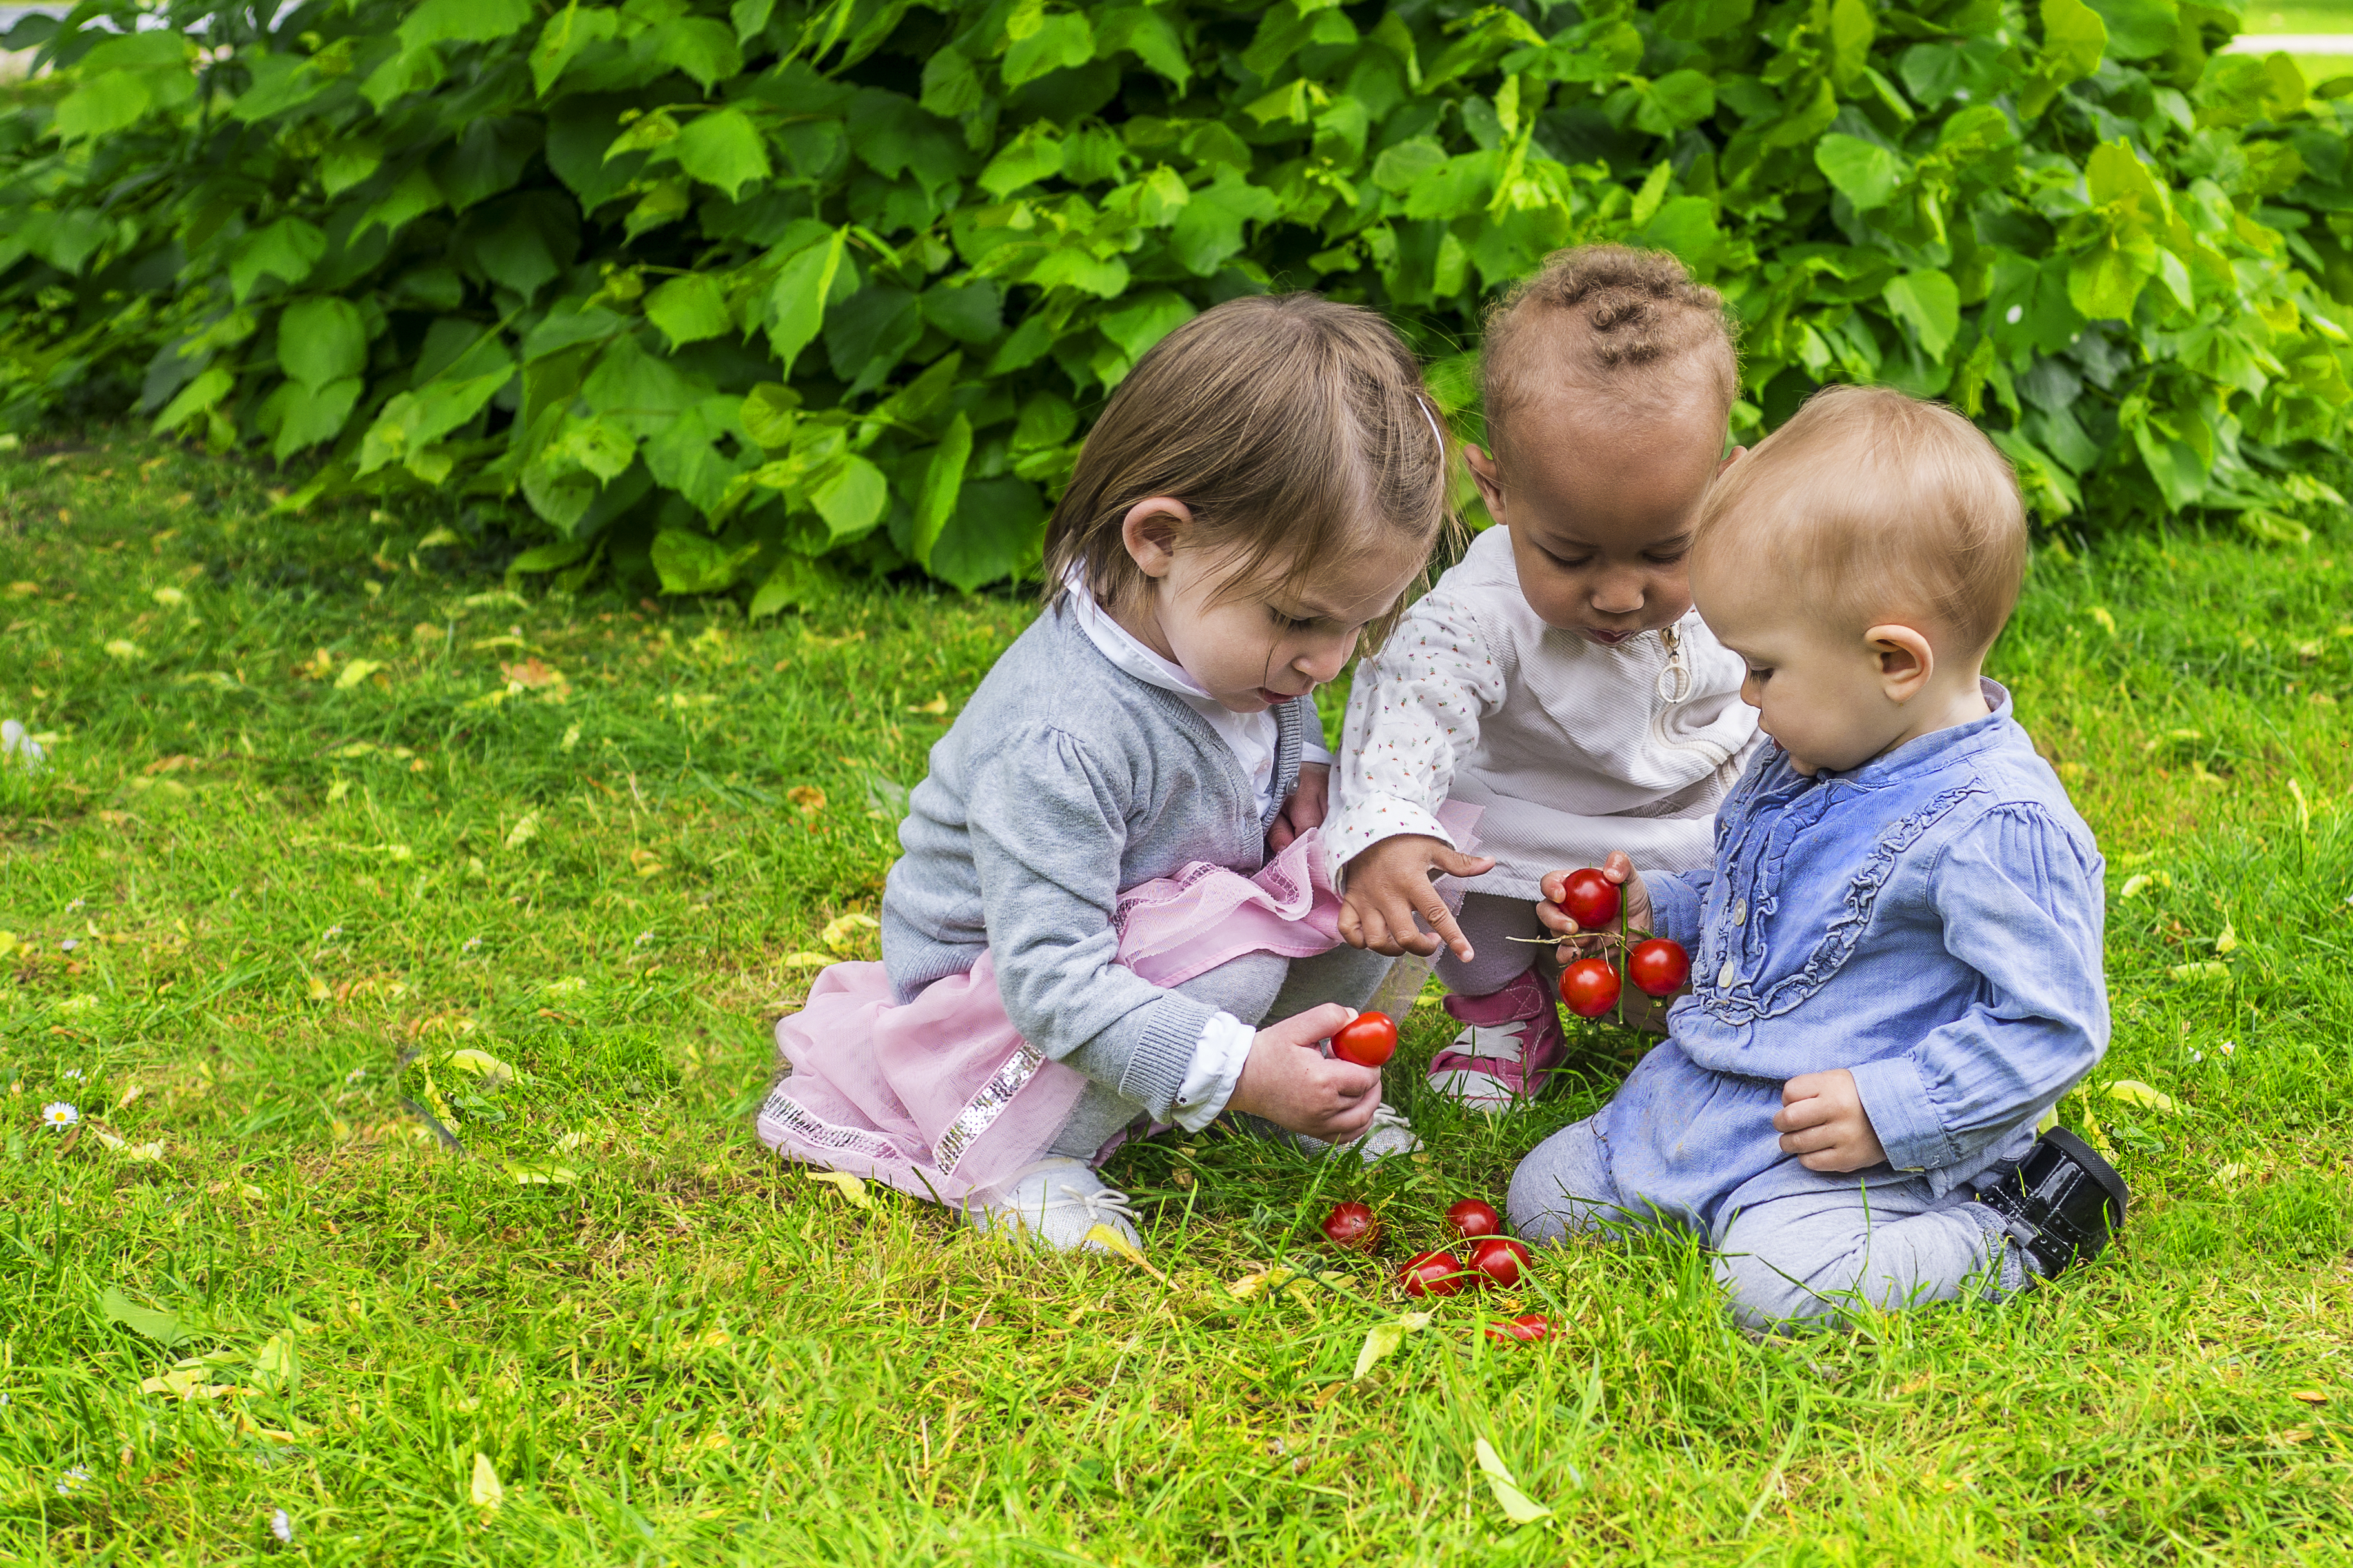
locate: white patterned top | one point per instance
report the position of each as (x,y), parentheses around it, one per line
(1571,750)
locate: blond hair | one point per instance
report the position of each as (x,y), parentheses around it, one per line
(1889,507)
(1606,318)
(1291,426)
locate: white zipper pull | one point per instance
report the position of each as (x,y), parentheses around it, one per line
(1674,682)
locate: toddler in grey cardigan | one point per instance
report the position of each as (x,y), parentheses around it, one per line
(1265,486)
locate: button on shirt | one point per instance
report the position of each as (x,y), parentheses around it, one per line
(1930,921)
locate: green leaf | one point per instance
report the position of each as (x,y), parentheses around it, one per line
(1677,100)
(551,557)
(1152,38)
(1035,154)
(943,480)
(2074,38)
(195,398)
(161,1327)
(971,312)
(1060,41)
(346,162)
(1136,327)
(286,250)
(463,21)
(998,530)
(312,415)
(685,455)
(796,581)
(723,149)
(769,412)
(689,563)
(796,300)
(1863,172)
(689,309)
(703,49)
(950,86)
(104,103)
(413,197)
(852,500)
(566,33)
(2138,29)
(1209,228)
(321,339)
(1930,304)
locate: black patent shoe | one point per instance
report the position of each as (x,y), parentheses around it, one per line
(2061,1201)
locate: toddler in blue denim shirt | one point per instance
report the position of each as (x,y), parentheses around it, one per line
(1896,952)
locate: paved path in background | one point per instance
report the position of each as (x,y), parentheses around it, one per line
(2290,43)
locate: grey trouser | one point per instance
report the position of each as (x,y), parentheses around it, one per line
(1806,1248)
(1489,924)
(1255,987)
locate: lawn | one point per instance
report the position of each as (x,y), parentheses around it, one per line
(329,807)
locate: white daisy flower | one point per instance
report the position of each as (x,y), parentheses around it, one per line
(57,1113)
(281,1527)
(71,1072)
(73,1481)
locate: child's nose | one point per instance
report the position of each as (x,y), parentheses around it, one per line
(1324,663)
(1618,594)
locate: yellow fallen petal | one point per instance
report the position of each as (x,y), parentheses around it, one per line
(850,1186)
(840,934)
(808,960)
(2209,970)
(359,670)
(488,1492)
(1516,1504)
(482,1065)
(1118,1245)
(2132,1091)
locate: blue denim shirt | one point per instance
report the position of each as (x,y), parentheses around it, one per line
(1930,921)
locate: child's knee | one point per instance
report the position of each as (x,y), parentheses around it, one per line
(1561,1188)
(1763,1293)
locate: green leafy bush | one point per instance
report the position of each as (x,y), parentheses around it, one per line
(748,294)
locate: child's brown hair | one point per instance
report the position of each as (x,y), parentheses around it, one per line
(1886,506)
(1605,318)
(1287,424)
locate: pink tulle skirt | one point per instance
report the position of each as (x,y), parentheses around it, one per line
(942,1098)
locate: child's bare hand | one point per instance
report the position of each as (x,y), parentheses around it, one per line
(1290,1083)
(1390,885)
(1821,1120)
(1576,942)
(1307,808)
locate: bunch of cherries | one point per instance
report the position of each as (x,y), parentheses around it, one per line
(1590,987)
(1495,1260)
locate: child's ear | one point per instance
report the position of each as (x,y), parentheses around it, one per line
(1906,660)
(1152,529)
(1731,458)
(1487,477)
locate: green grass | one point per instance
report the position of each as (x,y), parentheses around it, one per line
(257,900)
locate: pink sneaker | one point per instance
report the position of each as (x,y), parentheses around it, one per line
(1513,1041)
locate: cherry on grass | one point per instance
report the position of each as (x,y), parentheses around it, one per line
(1590,987)
(1471,1218)
(1498,1261)
(1525,1330)
(1658,967)
(1432,1274)
(1368,1039)
(1352,1225)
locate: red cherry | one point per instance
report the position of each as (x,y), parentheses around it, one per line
(1591,899)
(1352,1225)
(1525,1330)
(1658,967)
(1498,1261)
(1590,987)
(1368,1039)
(1471,1219)
(1432,1274)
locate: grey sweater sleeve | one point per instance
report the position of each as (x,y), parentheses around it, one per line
(1047,825)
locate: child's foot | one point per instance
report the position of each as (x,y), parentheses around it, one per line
(2060,1204)
(1391,1133)
(1057,1201)
(1513,1040)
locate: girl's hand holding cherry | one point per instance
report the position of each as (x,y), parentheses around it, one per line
(1303,1089)
(1559,909)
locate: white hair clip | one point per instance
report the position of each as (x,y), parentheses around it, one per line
(1434,430)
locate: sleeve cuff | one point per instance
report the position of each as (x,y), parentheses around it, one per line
(1363,823)
(1218,1059)
(1675,908)
(1312,752)
(1902,1116)
(1157,1068)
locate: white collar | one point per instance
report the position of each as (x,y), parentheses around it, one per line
(1124,648)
